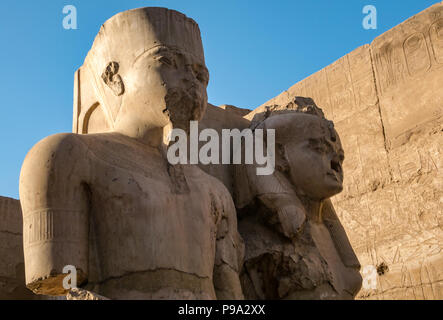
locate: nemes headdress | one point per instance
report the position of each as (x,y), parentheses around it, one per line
(122,39)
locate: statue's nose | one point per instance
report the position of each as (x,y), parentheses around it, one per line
(189,80)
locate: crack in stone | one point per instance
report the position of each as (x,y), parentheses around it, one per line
(12,233)
(374,77)
(146,271)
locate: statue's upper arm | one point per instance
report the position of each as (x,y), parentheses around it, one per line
(55,212)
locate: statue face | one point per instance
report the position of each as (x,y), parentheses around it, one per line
(315,159)
(165,86)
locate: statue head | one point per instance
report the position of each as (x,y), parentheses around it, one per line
(147,68)
(308,151)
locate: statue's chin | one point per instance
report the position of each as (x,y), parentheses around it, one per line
(333,190)
(180,118)
(328,190)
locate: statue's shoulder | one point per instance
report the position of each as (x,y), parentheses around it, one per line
(58,144)
(76,144)
(52,163)
(58,150)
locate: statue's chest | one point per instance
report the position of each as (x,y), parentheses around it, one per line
(142,196)
(140,222)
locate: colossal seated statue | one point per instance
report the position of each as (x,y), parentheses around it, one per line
(108,202)
(296,247)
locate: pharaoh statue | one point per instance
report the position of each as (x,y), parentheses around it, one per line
(105,200)
(296,247)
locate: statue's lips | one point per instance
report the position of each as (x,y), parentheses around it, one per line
(334,175)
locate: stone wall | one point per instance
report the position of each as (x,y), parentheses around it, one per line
(386,100)
(12,272)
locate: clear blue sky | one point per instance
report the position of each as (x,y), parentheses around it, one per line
(254,50)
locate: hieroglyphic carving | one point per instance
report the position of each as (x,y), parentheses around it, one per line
(389,64)
(367,166)
(387,226)
(363,80)
(316,87)
(436,35)
(407,62)
(341,91)
(416,53)
(417,163)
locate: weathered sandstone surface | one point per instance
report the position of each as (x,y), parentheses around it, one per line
(387,104)
(12,270)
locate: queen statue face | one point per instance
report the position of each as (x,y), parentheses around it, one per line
(313,154)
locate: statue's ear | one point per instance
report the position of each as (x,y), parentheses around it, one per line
(112,79)
(281,161)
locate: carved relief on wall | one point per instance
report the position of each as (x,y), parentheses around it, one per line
(363,80)
(416,54)
(316,87)
(341,91)
(390,66)
(436,35)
